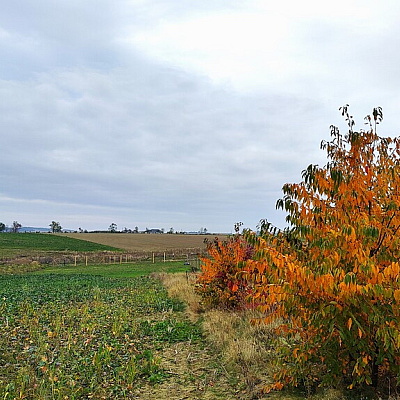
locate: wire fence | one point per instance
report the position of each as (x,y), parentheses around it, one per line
(191,256)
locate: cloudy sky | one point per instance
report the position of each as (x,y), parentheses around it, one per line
(183,114)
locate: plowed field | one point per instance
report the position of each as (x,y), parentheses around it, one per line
(145,242)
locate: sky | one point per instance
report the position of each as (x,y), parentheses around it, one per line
(183,114)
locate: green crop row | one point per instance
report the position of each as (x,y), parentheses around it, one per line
(84,336)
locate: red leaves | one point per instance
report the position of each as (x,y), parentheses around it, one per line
(221,282)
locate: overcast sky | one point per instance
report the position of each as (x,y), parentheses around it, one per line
(183,114)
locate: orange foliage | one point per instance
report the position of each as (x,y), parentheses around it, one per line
(219,283)
(331,281)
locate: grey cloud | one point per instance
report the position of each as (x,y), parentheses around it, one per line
(92,132)
(158,139)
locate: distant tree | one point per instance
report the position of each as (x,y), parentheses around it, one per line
(112,228)
(2,227)
(171,231)
(80,230)
(16,226)
(55,227)
(136,230)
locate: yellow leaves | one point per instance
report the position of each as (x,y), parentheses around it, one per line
(360,333)
(349,323)
(395,270)
(391,272)
(263,308)
(396,295)
(275,386)
(336,258)
(352,236)
(374,274)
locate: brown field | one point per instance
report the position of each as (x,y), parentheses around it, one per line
(145,242)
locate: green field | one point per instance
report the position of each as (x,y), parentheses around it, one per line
(101,333)
(97,331)
(128,270)
(33,243)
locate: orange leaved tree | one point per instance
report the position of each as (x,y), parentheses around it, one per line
(331,281)
(219,283)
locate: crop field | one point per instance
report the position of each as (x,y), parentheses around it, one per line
(126,270)
(12,244)
(100,336)
(144,242)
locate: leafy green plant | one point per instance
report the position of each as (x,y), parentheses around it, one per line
(170,331)
(82,336)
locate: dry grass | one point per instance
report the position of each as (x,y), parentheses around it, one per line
(192,375)
(181,286)
(145,242)
(242,346)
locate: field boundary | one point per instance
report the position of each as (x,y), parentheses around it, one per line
(90,258)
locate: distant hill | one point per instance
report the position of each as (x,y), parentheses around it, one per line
(31,229)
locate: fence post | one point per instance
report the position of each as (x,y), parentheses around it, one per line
(86,261)
(153,258)
(164,256)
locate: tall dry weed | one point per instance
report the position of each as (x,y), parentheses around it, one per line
(181,286)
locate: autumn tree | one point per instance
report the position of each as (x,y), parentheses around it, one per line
(331,281)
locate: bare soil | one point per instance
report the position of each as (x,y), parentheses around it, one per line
(146,242)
